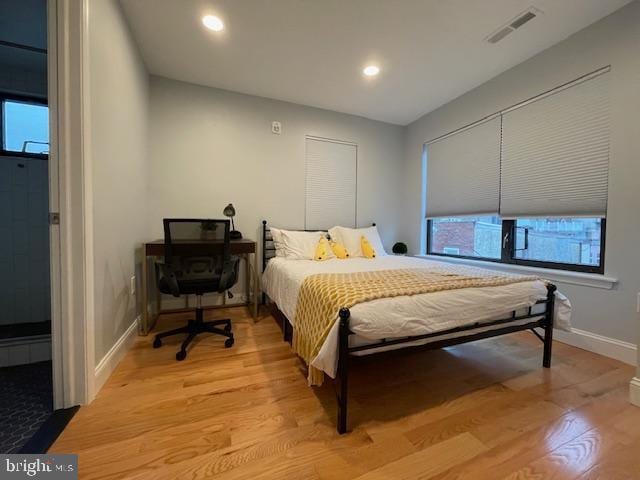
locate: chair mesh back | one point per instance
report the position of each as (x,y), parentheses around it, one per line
(179,231)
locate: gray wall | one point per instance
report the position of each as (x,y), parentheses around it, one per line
(209,147)
(613,41)
(118,153)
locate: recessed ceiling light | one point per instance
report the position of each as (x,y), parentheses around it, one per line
(213,23)
(371,70)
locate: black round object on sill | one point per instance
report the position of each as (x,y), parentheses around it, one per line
(400,248)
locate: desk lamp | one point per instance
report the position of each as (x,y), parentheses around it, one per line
(230,212)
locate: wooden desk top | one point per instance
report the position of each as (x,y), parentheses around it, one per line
(200,247)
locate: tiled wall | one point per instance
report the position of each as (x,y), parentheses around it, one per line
(24,241)
(25,350)
(18,79)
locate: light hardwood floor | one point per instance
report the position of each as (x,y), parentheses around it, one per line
(485,410)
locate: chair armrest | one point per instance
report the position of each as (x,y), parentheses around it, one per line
(166,272)
(229,273)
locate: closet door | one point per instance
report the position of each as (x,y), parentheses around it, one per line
(331,183)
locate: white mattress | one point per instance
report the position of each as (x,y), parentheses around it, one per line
(404,315)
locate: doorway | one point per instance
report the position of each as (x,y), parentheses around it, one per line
(26,371)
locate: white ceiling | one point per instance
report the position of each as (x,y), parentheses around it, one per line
(312,52)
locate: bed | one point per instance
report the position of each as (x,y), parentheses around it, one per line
(429,320)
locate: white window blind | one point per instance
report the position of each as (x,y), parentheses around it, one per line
(463,172)
(555,153)
(330,197)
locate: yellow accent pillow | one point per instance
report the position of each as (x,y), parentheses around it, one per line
(322,250)
(339,250)
(367,249)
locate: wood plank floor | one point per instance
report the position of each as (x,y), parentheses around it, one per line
(485,410)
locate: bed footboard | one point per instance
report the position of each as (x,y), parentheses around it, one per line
(544,320)
(343,368)
(548,327)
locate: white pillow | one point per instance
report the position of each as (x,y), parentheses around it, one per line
(276,235)
(300,245)
(350,238)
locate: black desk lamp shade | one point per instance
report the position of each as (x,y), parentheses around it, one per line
(230,211)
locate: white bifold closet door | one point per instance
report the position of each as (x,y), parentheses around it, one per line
(331,183)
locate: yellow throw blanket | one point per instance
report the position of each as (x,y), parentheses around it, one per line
(322,295)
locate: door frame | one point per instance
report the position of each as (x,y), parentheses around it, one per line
(71,241)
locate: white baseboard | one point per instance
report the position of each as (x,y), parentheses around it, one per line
(634,391)
(110,361)
(609,347)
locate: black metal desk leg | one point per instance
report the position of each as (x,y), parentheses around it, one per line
(144,291)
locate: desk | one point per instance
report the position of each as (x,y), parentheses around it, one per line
(242,248)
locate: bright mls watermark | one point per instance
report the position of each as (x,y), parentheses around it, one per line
(52,467)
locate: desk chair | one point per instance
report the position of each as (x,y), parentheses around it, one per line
(182,275)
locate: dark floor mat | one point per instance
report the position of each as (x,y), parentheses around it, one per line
(26,401)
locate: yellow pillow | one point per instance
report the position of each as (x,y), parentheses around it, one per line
(322,250)
(367,249)
(339,250)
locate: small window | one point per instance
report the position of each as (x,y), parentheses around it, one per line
(478,237)
(25,127)
(575,241)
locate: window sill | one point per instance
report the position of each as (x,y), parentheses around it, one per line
(563,276)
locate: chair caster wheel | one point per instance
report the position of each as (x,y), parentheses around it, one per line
(181,355)
(228,343)
(227,328)
(157,343)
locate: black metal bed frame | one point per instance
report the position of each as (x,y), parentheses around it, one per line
(543,319)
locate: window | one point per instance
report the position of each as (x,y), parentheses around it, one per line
(526,185)
(575,241)
(25,127)
(564,243)
(477,237)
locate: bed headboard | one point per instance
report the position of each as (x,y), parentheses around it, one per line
(268,248)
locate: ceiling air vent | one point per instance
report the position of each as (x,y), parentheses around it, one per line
(522,19)
(499,35)
(512,25)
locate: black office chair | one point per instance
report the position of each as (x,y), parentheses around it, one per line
(196,275)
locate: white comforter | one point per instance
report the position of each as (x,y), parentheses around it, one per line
(405,315)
